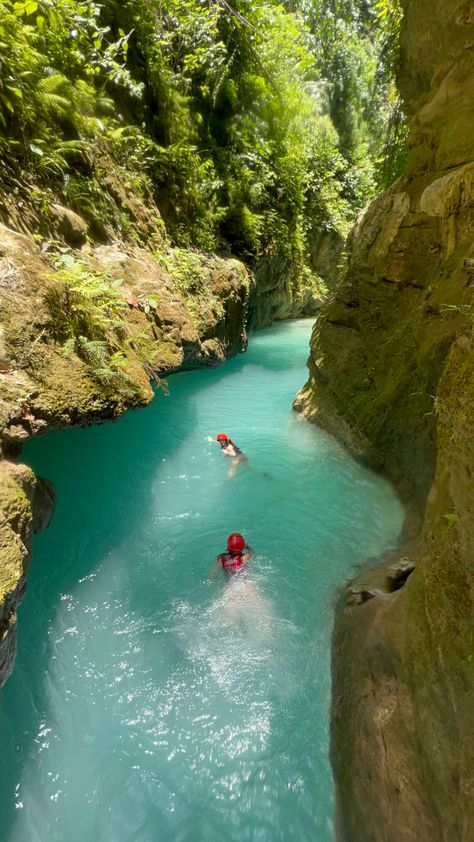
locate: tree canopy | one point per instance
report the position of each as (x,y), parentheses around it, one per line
(251,122)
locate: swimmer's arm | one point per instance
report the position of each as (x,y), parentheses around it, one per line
(248,555)
(214,568)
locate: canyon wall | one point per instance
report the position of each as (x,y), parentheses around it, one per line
(392,376)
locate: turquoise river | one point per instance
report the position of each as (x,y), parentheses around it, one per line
(151,703)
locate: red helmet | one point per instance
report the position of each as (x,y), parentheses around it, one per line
(222,437)
(236,543)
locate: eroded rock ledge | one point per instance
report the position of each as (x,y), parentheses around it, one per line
(170,320)
(392,375)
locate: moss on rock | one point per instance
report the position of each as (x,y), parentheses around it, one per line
(17,488)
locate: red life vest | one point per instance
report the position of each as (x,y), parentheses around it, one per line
(232,562)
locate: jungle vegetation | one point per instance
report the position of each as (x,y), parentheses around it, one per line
(251,124)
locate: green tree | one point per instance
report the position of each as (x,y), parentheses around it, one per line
(252,123)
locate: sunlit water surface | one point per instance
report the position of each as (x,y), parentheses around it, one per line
(150,703)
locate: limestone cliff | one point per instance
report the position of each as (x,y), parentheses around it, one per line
(392,375)
(82,336)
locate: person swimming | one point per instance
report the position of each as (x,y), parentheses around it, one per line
(229,448)
(241,605)
(235,558)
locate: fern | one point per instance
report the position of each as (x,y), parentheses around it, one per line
(54,95)
(83,303)
(105,367)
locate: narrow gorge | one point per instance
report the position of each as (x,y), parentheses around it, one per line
(169,184)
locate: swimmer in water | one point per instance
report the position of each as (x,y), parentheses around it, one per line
(229,448)
(241,605)
(235,558)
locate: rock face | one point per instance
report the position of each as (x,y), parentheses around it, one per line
(282,291)
(166,328)
(187,315)
(327,249)
(20,493)
(392,376)
(278,295)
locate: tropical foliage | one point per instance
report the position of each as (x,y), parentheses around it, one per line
(249,123)
(85,311)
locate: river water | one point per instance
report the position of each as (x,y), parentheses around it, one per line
(151,703)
